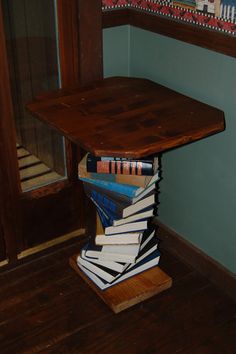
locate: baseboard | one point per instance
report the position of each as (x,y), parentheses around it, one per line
(184,250)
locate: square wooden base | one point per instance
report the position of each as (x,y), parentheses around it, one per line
(131,291)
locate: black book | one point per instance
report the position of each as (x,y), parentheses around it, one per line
(120,165)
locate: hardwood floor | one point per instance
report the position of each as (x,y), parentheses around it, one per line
(46,308)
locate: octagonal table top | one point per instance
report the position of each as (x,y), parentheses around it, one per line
(127,117)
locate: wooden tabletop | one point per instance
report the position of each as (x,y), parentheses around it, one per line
(127,117)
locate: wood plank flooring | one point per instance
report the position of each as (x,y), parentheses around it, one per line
(45,307)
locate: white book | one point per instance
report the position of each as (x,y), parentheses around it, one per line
(135,217)
(117,266)
(131,227)
(145,263)
(140,205)
(119,239)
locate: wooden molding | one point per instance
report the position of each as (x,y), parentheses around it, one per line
(9,173)
(202,37)
(211,269)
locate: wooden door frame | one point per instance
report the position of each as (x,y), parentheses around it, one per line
(80,63)
(9,172)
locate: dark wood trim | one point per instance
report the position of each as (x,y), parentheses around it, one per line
(67,16)
(2,244)
(116,18)
(9,173)
(90,41)
(184,250)
(205,38)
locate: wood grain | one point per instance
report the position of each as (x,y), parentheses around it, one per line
(131,291)
(128,117)
(47,308)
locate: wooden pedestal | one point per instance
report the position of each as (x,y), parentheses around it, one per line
(131,291)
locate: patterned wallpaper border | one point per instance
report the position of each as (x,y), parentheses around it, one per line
(217,15)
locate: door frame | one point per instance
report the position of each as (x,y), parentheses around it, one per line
(80,54)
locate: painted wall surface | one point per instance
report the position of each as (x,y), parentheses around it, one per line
(116,51)
(198,191)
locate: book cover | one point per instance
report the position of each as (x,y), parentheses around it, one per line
(139,181)
(119,165)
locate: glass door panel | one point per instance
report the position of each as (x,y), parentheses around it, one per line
(31,34)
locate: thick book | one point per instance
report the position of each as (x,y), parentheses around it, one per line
(114,197)
(120,207)
(109,275)
(146,263)
(128,190)
(119,239)
(120,165)
(139,181)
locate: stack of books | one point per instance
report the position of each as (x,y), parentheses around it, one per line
(124,192)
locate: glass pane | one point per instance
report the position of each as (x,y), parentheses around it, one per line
(31,33)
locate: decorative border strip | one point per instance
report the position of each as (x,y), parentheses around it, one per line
(165,8)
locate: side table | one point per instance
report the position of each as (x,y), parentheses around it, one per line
(127,117)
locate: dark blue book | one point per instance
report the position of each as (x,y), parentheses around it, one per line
(118,207)
(112,219)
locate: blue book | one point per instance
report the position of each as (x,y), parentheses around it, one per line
(120,207)
(105,219)
(126,189)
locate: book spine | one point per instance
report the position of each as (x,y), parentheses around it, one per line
(105,220)
(103,201)
(119,166)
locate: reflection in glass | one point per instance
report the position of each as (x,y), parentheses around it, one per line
(32,53)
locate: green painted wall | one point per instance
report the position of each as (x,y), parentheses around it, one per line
(198,190)
(116,51)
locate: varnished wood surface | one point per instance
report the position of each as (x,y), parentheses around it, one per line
(46,308)
(132,291)
(185,32)
(128,117)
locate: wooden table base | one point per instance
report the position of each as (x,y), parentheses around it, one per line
(131,291)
